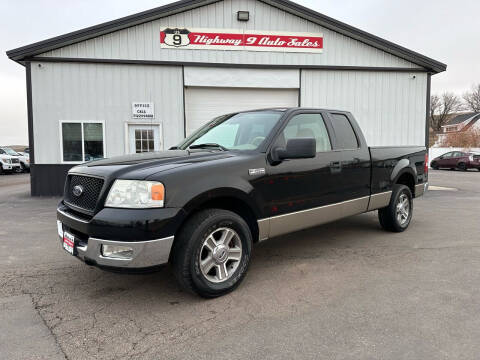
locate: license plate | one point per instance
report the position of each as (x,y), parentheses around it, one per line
(68,242)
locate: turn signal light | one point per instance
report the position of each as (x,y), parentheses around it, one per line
(158,192)
(426,164)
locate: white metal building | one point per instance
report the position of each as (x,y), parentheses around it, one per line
(143,82)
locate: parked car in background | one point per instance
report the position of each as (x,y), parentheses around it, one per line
(8,164)
(457,160)
(23,161)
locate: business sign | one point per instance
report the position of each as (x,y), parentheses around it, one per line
(220,39)
(143,110)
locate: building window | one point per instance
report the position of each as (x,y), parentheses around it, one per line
(451,129)
(82,141)
(144,141)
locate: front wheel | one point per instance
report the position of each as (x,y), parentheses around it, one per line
(396,217)
(211,255)
(462,167)
(434,166)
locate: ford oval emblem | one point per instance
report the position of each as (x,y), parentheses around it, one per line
(78,190)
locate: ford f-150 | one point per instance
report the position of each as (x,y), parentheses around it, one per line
(242,178)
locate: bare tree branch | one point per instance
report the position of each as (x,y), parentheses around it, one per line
(441,107)
(472,98)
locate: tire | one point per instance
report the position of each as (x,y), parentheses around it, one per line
(193,247)
(434,166)
(462,167)
(22,168)
(390,218)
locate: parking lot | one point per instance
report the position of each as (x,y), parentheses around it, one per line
(347,290)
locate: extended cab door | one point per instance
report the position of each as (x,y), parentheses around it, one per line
(350,158)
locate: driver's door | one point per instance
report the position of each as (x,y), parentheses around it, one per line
(445,160)
(300,184)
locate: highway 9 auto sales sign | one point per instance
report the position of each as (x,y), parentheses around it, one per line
(220,39)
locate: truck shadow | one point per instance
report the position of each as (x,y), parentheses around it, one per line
(355,232)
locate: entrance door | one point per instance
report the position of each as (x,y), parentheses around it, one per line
(144,138)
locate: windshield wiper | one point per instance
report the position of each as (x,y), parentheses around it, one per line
(208,145)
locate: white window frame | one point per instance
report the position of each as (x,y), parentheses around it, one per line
(83,138)
(143,123)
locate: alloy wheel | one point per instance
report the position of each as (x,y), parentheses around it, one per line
(403,209)
(220,255)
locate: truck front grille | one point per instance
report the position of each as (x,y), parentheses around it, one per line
(15,161)
(82,192)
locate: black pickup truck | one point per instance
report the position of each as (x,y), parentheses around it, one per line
(240,179)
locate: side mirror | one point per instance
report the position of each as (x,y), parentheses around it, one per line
(300,148)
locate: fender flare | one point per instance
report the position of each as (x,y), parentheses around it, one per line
(402,167)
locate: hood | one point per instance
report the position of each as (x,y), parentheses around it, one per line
(140,166)
(134,159)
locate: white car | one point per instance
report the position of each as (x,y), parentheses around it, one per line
(23,160)
(8,163)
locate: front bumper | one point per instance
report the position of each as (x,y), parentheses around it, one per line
(145,254)
(10,167)
(149,235)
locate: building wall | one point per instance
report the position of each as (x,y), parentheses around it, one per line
(104,92)
(389,106)
(142,42)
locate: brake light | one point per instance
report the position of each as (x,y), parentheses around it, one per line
(425,169)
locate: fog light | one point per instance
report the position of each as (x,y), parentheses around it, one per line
(117,252)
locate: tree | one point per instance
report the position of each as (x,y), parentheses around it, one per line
(441,107)
(472,98)
(464,139)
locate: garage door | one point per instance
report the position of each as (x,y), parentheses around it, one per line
(203,104)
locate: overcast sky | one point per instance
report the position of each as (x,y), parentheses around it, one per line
(444,30)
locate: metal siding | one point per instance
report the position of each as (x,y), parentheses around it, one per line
(104,92)
(389,106)
(142,42)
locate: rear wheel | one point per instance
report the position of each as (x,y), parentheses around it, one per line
(397,215)
(212,253)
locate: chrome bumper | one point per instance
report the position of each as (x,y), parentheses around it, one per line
(421,189)
(145,253)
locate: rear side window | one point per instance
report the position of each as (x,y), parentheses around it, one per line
(346,138)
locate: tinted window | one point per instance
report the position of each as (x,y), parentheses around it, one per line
(72,141)
(73,134)
(307,126)
(344,134)
(93,141)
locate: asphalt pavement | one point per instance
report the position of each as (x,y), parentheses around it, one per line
(346,290)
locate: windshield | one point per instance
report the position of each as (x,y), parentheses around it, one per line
(11,152)
(244,131)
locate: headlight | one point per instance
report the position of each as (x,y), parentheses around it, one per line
(7,161)
(136,194)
